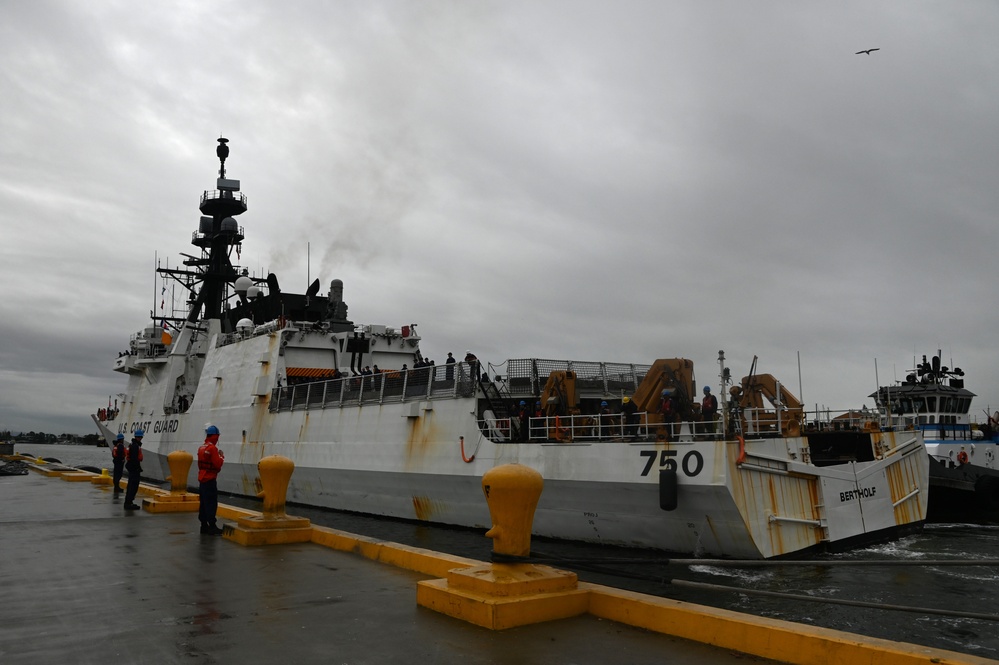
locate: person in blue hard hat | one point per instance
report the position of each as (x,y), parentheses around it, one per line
(709,410)
(210,460)
(118,461)
(604,418)
(133,464)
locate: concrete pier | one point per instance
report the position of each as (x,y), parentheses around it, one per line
(84,581)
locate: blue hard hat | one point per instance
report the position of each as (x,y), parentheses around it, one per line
(139,433)
(603,403)
(120,437)
(211,429)
(707,389)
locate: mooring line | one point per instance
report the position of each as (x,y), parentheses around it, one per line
(590,565)
(538,557)
(835,601)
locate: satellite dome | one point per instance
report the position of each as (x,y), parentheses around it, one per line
(244,325)
(230,224)
(243,284)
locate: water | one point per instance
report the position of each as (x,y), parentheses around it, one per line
(965,589)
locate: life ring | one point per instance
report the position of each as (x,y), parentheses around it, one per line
(962,457)
(742,450)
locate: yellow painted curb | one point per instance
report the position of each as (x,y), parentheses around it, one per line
(416,559)
(769,638)
(79,476)
(232,512)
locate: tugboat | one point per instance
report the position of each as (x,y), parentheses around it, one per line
(373,426)
(964,469)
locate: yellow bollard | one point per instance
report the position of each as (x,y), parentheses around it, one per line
(275,474)
(178,500)
(512,493)
(103,479)
(504,595)
(180,464)
(273,526)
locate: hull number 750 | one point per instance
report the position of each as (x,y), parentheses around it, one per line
(691,464)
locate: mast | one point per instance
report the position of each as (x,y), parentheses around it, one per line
(217,235)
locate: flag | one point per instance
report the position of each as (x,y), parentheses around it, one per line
(166,338)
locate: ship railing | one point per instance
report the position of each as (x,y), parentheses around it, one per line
(422,383)
(212,194)
(768,422)
(590,428)
(524,378)
(527,376)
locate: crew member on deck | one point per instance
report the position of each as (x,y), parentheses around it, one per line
(118,460)
(604,418)
(473,364)
(210,461)
(133,463)
(629,413)
(709,410)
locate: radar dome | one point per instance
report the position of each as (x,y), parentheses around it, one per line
(243,284)
(244,325)
(230,224)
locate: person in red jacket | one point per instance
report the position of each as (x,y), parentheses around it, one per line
(133,464)
(118,460)
(210,461)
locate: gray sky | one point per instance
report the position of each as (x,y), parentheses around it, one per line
(617,181)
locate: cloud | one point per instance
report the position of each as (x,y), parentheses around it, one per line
(581,180)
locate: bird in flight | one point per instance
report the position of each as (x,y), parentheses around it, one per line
(868,51)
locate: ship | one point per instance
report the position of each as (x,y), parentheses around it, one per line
(627,454)
(964,457)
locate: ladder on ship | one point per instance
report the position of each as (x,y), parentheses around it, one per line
(498,405)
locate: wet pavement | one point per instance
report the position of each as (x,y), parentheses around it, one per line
(82,580)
